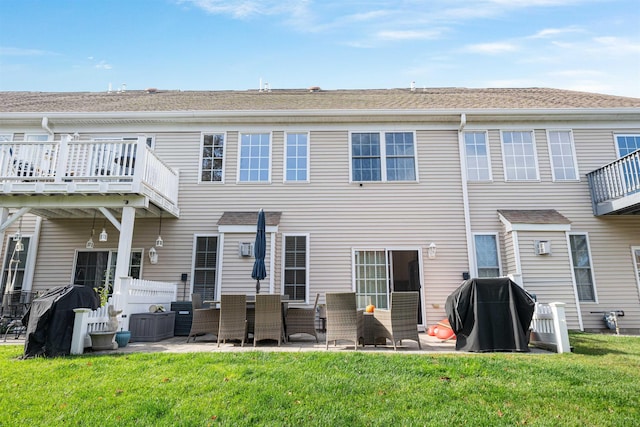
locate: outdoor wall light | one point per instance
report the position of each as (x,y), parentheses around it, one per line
(153,256)
(432,250)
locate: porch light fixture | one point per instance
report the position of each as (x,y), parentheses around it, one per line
(19,246)
(90,243)
(18,236)
(153,255)
(159,241)
(103,234)
(431,253)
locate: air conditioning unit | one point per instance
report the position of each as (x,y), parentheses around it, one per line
(246,249)
(543,247)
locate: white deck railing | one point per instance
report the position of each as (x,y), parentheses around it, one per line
(134,296)
(549,327)
(617,179)
(67,161)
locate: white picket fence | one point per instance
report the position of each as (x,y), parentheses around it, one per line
(549,327)
(134,296)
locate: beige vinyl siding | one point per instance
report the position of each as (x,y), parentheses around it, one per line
(549,276)
(236,271)
(509,258)
(610,237)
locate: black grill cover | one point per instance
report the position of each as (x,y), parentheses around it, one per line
(50,318)
(490,314)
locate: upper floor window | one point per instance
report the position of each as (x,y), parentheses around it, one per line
(255,157)
(392,161)
(487,259)
(6,137)
(627,144)
(477,156)
(40,137)
(562,154)
(212,164)
(297,157)
(519,154)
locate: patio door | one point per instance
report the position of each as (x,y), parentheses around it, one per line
(380,272)
(97,268)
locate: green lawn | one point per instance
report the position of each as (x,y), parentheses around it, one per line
(597,385)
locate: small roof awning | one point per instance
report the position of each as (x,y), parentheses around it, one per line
(245,222)
(534,220)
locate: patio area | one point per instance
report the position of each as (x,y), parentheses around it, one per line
(208,343)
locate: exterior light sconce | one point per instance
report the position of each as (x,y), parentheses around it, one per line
(103,234)
(153,256)
(159,241)
(433,249)
(90,243)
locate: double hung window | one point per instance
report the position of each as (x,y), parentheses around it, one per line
(519,155)
(477,156)
(14,265)
(487,257)
(205,267)
(295,267)
(581,260)
(96,269)
(562,154)
(297,157)
(212,164)
(255,157)
(393,160)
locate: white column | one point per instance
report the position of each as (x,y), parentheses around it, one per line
(124,247)
(79,330)
(560,327)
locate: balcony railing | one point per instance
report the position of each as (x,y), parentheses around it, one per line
(68,161)
(617,181)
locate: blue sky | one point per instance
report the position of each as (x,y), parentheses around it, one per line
(81,45)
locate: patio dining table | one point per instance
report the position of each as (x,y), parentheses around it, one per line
(251,312)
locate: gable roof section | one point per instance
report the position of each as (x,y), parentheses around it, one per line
(301,100)
(246,222)
(534,220)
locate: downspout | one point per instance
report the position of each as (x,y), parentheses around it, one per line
(465,196)
(45,125)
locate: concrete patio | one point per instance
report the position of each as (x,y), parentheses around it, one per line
(298,343)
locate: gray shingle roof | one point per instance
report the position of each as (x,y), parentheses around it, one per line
(302,99)
(249,218)
(534,216)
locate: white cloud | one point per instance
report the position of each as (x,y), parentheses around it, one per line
(249,8)
(17,51)
(409,35)
(491,48)
(552,32)
(103,65)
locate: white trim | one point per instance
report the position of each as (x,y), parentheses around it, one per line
(383,156)
(487,147)
(272,263)
(573,281)
(245,229)
(219,256)
(636,266)
(615,140)
(516,254)
(498,254)
(224,156)
(535,155)
(283,256)
(532,227)
(239,156)
(30,264)
(573,154)
(465,204)
(591,266)
(284,160)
